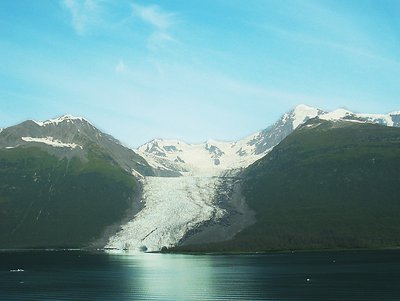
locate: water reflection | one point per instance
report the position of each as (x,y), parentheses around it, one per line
(169,277)
(372,275)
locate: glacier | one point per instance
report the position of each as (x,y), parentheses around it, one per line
(172,207)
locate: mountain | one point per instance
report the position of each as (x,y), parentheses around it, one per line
(63,183)
(205,200)
(69,136)
(218,157)
(209,158)
(329,184)
(274,134)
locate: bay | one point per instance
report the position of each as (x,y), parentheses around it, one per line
(79,275)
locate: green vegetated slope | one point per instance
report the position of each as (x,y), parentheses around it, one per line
(50,202)
(327,185)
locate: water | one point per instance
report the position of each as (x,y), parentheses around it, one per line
(74,275)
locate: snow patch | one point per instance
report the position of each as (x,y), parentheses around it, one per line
(136,173)
(336,115)
(378,118)
(51,141)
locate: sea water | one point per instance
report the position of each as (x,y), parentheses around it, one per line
(78,275)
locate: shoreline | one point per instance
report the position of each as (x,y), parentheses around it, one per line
(122,252)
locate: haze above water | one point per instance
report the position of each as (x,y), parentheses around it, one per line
(74,275)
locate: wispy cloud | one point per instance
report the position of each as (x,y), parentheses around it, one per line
(155,16)
(83,13)
(161,21)
(158,39)
(120,67)
(334,25)
(116,16)
(345,48)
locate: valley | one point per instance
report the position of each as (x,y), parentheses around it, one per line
(209,196)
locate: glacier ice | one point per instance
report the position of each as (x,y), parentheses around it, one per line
(172,207)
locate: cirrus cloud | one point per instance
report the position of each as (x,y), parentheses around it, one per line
(155,16)
(83,13)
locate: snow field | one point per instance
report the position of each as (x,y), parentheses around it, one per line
(51,141)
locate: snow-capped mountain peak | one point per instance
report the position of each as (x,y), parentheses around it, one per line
(64,118)
(214,157)
(70,136)
(160,146)
(209,158)
(302,113)
(336,114)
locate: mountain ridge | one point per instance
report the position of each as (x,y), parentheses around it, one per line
(182,157)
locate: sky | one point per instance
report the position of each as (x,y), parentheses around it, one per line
(195,69)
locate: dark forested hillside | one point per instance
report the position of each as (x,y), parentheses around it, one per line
(47,201)
(327,185)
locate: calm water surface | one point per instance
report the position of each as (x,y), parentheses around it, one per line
(75,275)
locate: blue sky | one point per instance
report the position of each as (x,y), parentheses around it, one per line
(195,69)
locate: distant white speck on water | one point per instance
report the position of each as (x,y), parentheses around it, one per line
(17,270)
